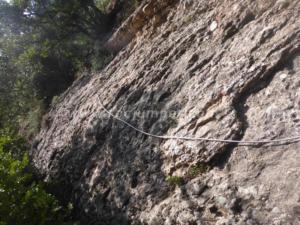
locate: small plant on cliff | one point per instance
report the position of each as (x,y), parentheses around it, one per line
(198,169)
(175,180)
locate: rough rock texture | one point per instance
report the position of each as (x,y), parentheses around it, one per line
(225,69)
(150,13)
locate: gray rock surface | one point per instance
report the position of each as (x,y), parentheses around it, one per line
(226,69)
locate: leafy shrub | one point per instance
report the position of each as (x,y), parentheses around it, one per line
(15,146)
(24,201)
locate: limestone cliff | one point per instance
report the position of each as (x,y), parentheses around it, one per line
(226,69)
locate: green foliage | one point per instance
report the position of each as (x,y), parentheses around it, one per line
(43,44)
(198,169)
(22,199)
(175,180)
(15,146)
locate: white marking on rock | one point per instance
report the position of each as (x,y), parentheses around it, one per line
(283,76)
(213,26)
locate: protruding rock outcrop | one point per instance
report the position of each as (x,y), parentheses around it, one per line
(226,69)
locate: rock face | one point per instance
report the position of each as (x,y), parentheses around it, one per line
(227,69)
